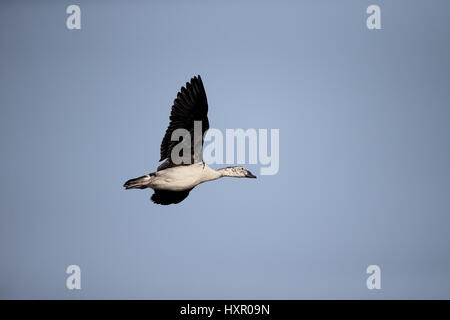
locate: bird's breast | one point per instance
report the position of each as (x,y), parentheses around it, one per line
(178,178)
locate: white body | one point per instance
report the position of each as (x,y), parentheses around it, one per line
(183,177)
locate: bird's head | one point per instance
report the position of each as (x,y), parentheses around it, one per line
(237,172)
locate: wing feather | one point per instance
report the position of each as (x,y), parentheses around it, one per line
(166,197)
(190,105)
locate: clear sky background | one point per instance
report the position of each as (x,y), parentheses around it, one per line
(364,119)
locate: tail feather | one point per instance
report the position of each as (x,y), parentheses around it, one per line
(139,183)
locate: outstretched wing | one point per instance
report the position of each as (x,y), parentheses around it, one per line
(190,105)
(166,197)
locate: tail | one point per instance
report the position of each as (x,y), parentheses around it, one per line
(139,183)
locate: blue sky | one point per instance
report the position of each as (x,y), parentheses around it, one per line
(364,126)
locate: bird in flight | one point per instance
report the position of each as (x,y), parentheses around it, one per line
(174,179)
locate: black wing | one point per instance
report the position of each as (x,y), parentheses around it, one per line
(189,106)
(166,197)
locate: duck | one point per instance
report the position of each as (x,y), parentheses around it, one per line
(174,179)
